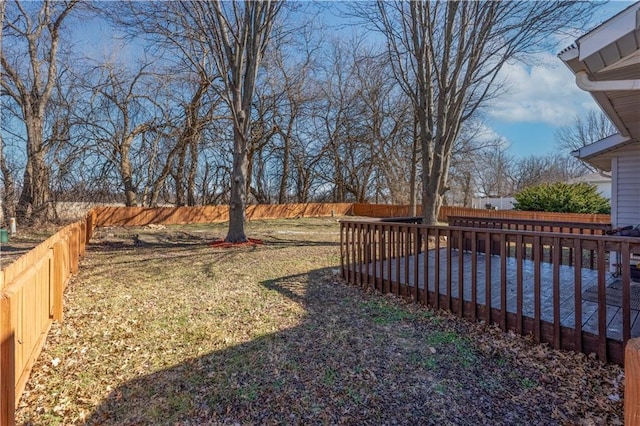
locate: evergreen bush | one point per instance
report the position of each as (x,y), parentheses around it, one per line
(562,198)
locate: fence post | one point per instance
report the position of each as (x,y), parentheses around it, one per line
(58,281)
(92,219)
(632,383)
(82,236)
(88,229)
(73,243)
(7,363)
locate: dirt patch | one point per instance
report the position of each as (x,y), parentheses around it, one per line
(169,331)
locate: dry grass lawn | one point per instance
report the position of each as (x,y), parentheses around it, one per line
(173,331)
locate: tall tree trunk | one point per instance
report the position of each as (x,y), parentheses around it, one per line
(249,171)
(193,171)
(127,181)
(33,205)
(9,195)
(238,189)
(237,35)
(413,174)
(286,161)
(205,184)
(126,172)
(282,193)
(179,176)
(31,89)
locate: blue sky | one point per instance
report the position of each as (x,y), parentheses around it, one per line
(542,98)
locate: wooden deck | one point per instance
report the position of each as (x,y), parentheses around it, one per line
(402,271)
(528,281)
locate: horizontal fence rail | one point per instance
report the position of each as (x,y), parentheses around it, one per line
(569,307)
(589,256)
(447,211)
(385,210)
(564,227)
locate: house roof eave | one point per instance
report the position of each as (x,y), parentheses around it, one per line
(602,62)
(608,32)
(598,154)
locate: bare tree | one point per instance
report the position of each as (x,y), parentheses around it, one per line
(29,71)
(492,173)
(176,33)
(123,110)
(446,56)
(348,116)
(285,94)
(479,164)
(186,133)
(236,34)
(536,170)
(583,131)
(8,193)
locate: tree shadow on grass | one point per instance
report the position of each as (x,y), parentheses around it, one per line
(283,243)
(147,251)
(353,359)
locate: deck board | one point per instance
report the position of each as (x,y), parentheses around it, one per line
(402,271)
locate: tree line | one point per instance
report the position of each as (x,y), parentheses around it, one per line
(263,102)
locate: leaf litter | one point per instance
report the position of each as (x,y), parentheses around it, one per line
(173,332)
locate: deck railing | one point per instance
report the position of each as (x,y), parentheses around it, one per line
(564,227)
(395,210)
(565,306)
(589,257)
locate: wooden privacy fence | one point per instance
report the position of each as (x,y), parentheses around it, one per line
(570,308)
(140,216)
(31,290)
(385,210)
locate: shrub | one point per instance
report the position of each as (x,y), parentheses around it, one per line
(563,198)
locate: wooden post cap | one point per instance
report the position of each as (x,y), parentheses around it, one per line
(632,383)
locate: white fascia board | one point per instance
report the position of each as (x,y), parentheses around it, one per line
(609,31)
(603,145)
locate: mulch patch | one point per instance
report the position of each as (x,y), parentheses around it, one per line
(251,242)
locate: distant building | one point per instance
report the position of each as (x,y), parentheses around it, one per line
(502,203)
(601,181)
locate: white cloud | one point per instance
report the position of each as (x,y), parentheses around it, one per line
(545,92)
(484,134)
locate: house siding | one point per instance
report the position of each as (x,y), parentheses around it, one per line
(627,172)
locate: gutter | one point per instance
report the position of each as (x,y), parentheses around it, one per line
(585,83)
